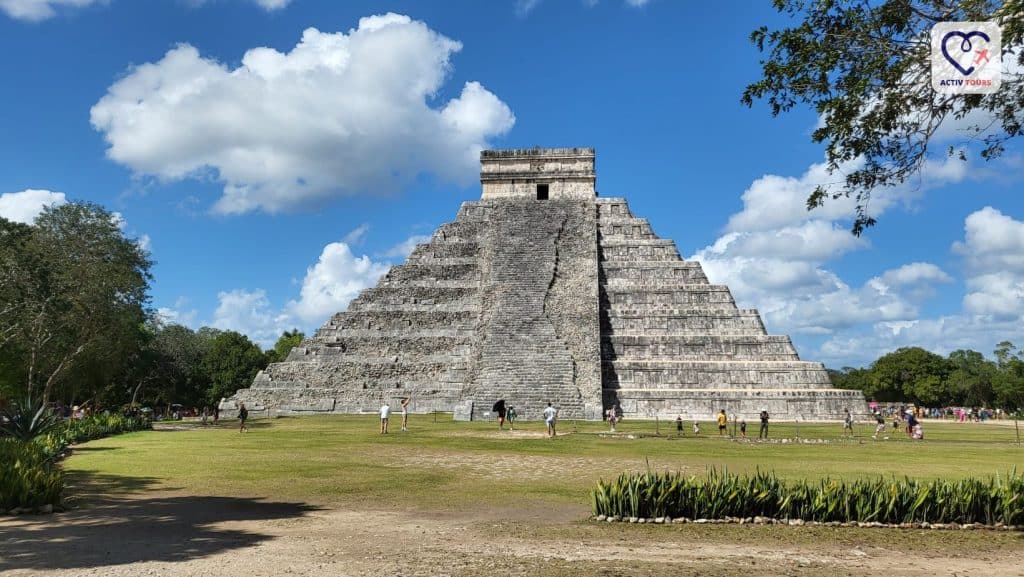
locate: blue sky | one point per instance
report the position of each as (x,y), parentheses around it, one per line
(276,156)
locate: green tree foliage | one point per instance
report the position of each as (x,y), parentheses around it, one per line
(74,296)
(1008,382)
(864,68)
(231,363)
(909,373)
(284,345)
(964,378)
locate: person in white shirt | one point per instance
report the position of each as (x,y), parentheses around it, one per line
(385,412)
(550,416)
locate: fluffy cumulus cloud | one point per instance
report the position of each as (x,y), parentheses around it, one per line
(993,304)
(338,114)
(250,313)
(26,205)
(993,253)
(774,255)
(334,281)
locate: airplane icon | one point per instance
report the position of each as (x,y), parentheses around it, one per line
(982,55)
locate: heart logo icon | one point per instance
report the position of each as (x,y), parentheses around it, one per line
(965,47)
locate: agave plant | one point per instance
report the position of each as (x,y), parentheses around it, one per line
(27,420)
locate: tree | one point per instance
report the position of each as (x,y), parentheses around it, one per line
(284,345)
(864,68)
(970,379)
(909,373)
(231,363)
(76,294)
(1008,382)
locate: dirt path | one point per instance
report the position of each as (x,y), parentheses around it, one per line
(170,534)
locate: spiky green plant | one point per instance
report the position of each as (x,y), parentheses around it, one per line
(720,494)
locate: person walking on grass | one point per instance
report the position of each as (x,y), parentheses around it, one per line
(696,428)
(499,408)
(723,421)
(743,427)
(385,414)
(679,425)
(612,418)
(511,414)
(763,433)
(243,414)
(550,418)
(405,414)
(880,428)
(848,423)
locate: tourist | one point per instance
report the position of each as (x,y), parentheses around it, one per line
(743,427)
(723,421)
(206,414)
(911,423)
(679,425)
(243,414)
(848,423)
(696,428)
(918,432)
(881,425)
(405,414)
(612,418)
(385,414)
(550,416)
(511,414)
(499,408)
(763,433)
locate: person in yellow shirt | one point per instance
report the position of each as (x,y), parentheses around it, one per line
(722,421)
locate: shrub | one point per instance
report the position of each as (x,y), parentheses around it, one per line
(27,420)
(990,501)
(28,477)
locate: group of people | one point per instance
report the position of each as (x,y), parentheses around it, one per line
(908,420)
(385,415)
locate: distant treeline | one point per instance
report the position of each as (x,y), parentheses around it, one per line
(965,378)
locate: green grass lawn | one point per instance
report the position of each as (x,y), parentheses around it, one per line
(332,460)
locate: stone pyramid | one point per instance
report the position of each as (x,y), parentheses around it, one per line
(542,292)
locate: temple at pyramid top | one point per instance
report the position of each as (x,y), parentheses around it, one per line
(538,173)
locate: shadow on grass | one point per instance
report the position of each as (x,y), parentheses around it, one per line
(112,521)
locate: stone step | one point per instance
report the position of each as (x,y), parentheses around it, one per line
(434,274)
(428,318)
(397,295)
(767,347)
(637,296)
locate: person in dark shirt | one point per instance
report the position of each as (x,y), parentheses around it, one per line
(763,433)
(499,408)
(243,414)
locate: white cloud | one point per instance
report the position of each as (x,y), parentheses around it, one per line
(36,10)
(26,205)
(339,114)
(637,3)
(180,313)
(273,4)
(250,313)
(993,253)
(355,236)
(403,249)
(774,252)
(334,281)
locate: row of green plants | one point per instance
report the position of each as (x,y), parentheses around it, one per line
(720,494)
(32,441)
